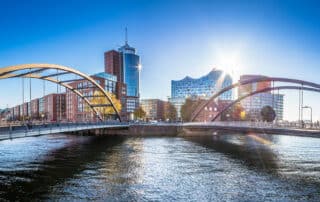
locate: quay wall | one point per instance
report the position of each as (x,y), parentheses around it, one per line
(136,130)
(192,130)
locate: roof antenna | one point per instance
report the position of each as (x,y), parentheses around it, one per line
(126,36)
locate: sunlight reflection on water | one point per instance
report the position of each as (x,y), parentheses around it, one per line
(229,167)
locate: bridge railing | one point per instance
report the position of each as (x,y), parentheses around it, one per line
(260,124)
(7,132)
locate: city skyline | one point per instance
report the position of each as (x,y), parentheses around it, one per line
(255,37)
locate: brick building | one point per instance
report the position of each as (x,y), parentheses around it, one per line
(34,109)
(77,109)
(54,107)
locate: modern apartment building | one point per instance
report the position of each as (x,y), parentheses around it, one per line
(154,108)
(255,103)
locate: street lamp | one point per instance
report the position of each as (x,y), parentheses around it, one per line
(42,117)
(308,107)
(205,114)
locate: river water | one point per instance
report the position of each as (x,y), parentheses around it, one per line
(219,167)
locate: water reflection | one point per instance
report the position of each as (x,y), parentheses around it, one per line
(34,179)
(218,167)
(254,150)
(288,157)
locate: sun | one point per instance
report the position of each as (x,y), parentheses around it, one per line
(229,62)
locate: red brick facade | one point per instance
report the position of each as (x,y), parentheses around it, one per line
(77,109)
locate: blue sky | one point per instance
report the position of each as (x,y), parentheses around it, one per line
(174,38)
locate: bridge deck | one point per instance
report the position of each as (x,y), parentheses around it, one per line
(23,131)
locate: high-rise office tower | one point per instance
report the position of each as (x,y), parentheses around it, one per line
(125,64)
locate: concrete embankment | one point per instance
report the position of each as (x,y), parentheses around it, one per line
(138,130)
(191,130)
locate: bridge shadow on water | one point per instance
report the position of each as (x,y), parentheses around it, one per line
(257,153)
(58,166)
(119,161)
(251,150)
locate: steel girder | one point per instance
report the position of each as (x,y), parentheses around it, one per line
(262,91)
(8,72)
(250,81)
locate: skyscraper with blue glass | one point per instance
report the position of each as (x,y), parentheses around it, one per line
(125,64)
(131,75)
(131,69)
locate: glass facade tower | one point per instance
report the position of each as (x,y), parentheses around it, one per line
(125,64)
(131,70)
(131,75)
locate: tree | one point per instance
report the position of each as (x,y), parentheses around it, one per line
(100,99)
(268,114)
(238,112)
(139,113)
(170,112)
(188,108)
(234,113)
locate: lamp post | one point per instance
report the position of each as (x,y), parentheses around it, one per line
(308,107)
(205,114)
(42,117)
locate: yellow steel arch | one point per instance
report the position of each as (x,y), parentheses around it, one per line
(6,73)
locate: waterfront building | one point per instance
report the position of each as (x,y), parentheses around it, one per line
(16,113)
(54,107)
(211,110)
(42,112)
(131,69)
(51,107)
(177,103)
(24,110)
(113,65)
(77,109)
(203,87)
(253,104)
(29,110)
(126,65)
(6,114)
(154,108)
(34,109)
(278,106)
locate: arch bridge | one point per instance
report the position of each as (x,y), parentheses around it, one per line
(302,85)
(52,72)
